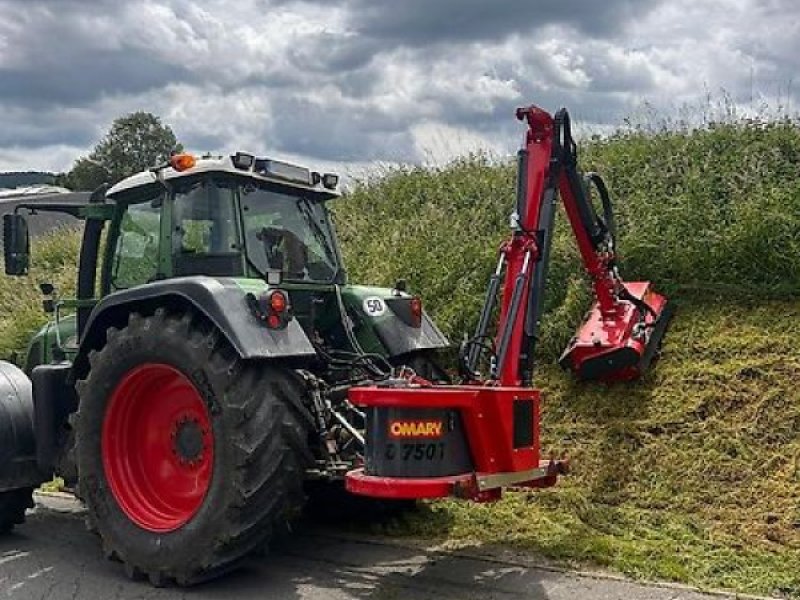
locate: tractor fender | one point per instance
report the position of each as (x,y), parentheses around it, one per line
(17,440)
(400,338)
(388,321)
(220,300)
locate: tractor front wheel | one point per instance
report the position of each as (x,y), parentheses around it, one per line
(187,456)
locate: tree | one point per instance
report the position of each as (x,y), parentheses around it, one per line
(134,143)
(85,175)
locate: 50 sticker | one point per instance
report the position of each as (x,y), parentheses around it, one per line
(374,306)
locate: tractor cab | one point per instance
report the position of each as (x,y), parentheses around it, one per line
(220,220)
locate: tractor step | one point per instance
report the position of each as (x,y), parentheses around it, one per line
(620,347)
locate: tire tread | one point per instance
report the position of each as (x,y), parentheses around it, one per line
(266,424)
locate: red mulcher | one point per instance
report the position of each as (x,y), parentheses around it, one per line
(430,441)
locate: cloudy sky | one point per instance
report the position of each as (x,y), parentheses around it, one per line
(358,81)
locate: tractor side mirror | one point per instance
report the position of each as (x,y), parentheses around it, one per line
(16,244)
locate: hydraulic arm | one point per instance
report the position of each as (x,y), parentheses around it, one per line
(624,327)
(471,440)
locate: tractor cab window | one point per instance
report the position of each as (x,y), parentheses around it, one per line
(135,258)
(288,233)
(205,239)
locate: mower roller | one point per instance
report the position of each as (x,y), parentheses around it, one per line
(216,367)
(470,441)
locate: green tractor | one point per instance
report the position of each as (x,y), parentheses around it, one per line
(198,381)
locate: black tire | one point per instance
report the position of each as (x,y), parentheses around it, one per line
(13,505)
(260,438)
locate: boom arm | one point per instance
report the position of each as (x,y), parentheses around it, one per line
(617,341)
(473,439)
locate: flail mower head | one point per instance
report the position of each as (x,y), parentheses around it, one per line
(619,345)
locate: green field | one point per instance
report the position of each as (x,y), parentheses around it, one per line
(692,474)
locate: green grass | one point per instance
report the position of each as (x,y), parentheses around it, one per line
(709,209)
(54,259)
(692,475)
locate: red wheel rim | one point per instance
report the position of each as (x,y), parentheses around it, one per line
(157,447)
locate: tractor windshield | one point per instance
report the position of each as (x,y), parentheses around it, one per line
(288,233)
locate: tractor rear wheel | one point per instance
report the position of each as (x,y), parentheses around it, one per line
(13,505)
(188,456)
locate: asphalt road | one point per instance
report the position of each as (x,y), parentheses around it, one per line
(53,557)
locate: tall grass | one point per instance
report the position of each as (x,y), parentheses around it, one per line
(53,260)
(716,207)
(692,474)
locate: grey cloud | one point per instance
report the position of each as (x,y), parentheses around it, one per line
(350,81)
(86,77)
(61,4)
(421,21)
(29,128)
(424,22)
(204,142)
(334,53)
(62,57)
(337,134)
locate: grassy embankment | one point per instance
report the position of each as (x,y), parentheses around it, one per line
(692,474)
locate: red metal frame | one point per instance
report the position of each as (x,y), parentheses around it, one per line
(539,145)
(614,342)
(487,418)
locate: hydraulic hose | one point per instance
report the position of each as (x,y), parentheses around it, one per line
(607,221)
